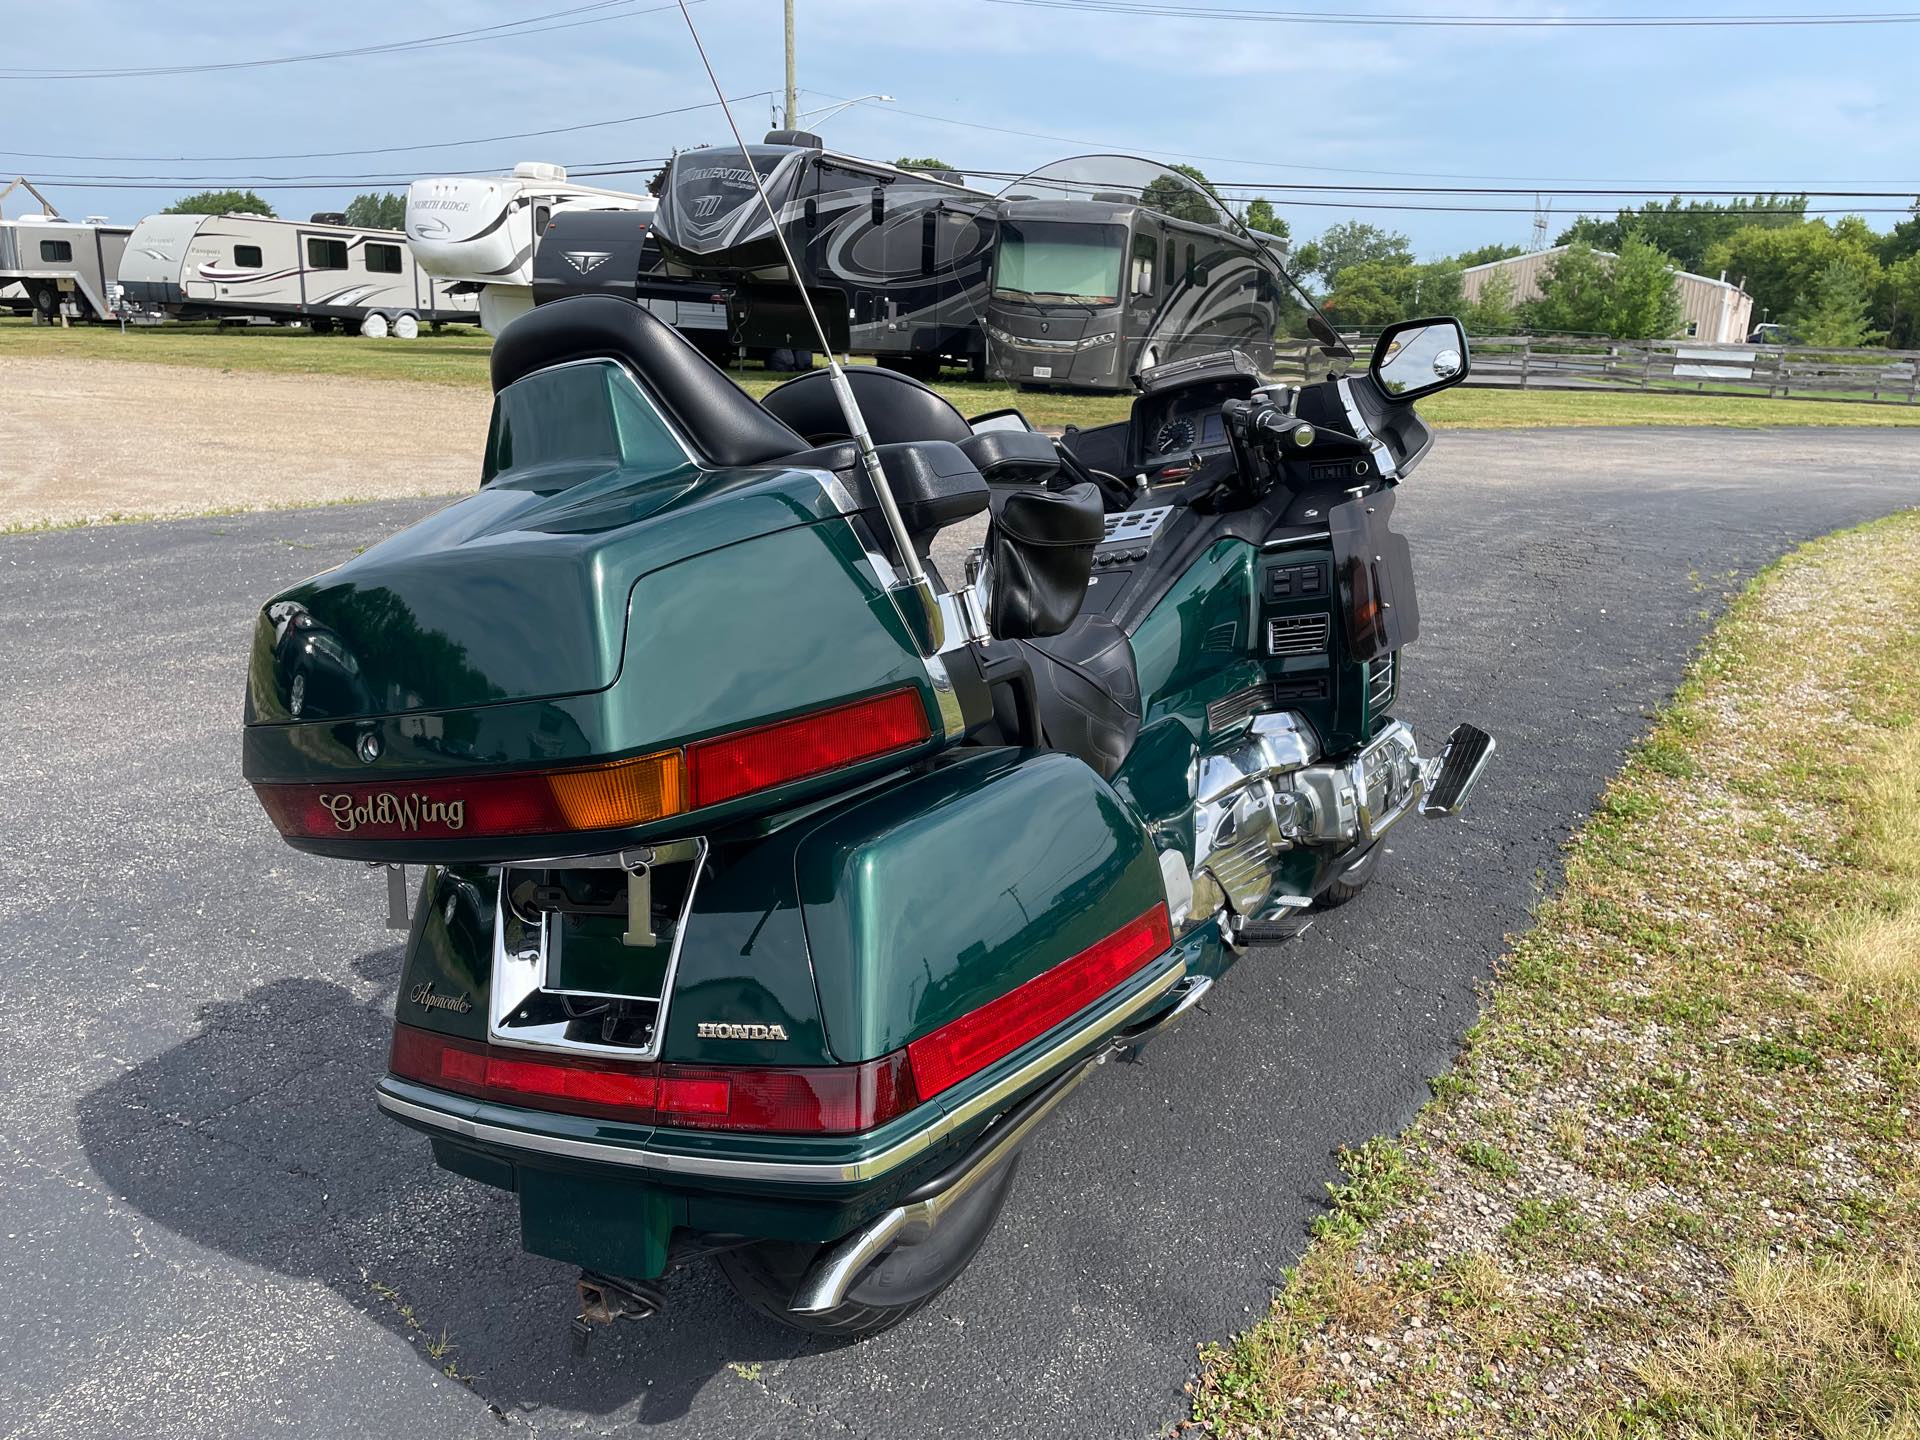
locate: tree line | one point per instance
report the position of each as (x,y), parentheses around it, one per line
(1839,284)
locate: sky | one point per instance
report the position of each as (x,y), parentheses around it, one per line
(1273,103)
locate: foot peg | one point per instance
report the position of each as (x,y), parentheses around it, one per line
(1273,932)
(1468,750)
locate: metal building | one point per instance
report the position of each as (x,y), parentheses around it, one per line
(1712,310)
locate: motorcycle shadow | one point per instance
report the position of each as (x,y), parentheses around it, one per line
(257,1138)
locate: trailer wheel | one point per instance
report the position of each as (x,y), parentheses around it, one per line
(374,327)
(46,303)
(905,1277)
(322,324)
(406,327)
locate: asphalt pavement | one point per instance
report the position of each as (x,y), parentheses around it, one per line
(210,1231)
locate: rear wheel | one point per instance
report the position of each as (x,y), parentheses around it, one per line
(900,1281)
(406,328)
(374,327)
(1352,880)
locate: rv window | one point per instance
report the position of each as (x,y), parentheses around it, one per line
(1192,273)
(247,257)
(325,254)
(1144,251)
(58,251)
(383,259)
(929,256)
(879,204)
(541,214)
(1170,270)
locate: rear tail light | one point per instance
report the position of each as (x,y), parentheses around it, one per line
(802,1100)
(732,765)
(614,796)
(963,1047)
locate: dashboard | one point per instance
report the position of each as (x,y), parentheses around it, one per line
(1170,425)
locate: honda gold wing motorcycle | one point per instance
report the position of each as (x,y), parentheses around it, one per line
(773,886)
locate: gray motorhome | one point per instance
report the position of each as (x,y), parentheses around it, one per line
(322,272)
(1105,266)
(63,267)
(896,260)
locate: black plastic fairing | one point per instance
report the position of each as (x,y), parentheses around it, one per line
(1373,569)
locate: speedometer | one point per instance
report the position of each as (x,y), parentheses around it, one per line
(1174,435)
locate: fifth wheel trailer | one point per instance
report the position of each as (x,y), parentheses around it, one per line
(322,272)
(478,233)
(62,266)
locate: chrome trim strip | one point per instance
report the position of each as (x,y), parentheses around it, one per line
(813,1172)
(1286,541)
(1383,465)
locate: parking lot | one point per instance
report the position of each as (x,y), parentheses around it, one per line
(211,1232)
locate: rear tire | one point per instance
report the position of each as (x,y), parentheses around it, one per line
(374,327)
(904,1279)
(1343,890)
(406,327)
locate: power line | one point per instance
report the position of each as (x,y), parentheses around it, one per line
(505,30)
(1161,8)
(378,149)
(1531,185)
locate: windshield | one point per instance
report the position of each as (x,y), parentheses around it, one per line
(1126,179)
(1059,260)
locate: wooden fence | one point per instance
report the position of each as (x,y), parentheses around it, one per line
(1684,367)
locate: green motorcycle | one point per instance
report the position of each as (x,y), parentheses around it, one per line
(776,886)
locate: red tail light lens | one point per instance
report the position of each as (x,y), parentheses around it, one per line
(730,765)
(801,1100)
(965,1046)
(613,796)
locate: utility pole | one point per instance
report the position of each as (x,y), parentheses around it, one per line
(792,94)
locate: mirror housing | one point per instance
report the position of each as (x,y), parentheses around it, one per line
(991,420)
(1414,358)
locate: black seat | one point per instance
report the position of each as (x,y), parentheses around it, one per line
(716,416)
(897,407)
(1086,691)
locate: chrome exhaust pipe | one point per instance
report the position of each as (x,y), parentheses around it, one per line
(833,1272)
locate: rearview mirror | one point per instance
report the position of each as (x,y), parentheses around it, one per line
(1417,357)
(1008,419)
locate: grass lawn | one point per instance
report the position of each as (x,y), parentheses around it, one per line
(459,357)
(1669,1190)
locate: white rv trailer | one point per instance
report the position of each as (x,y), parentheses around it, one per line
(480,233)
(63,266)
(320,272)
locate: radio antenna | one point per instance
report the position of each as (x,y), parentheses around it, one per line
(843,392)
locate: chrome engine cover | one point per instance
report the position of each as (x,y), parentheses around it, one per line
(1266,795)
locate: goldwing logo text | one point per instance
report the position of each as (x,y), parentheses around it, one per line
(402,812)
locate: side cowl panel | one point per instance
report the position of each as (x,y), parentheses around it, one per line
(933,897)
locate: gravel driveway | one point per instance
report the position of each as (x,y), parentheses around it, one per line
(209,1230)
(89,439)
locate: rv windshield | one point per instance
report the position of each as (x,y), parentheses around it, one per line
(1176,194)
(1059,260)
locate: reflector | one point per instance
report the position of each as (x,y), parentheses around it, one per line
(963,1047)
